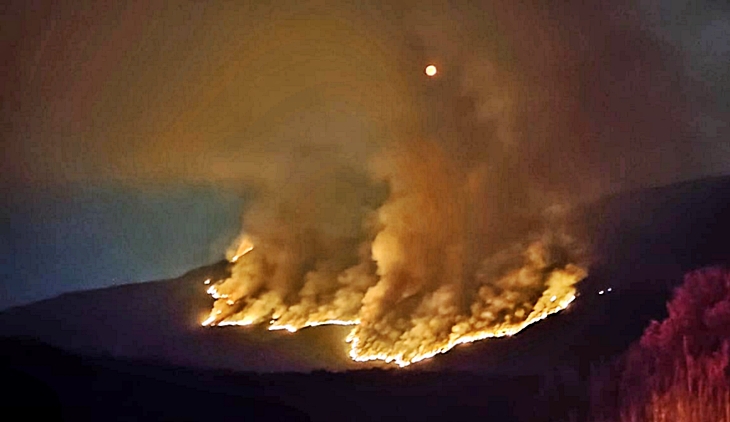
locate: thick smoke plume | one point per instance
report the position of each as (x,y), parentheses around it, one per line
(445,237)
(446,225)
(423,275)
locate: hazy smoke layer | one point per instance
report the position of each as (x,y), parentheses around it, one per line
(423,211)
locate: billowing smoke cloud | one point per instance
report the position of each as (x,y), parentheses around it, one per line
(459,247)
(431,271)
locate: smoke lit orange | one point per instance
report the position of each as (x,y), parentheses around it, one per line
(500,308)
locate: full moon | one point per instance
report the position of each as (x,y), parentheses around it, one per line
(431,70)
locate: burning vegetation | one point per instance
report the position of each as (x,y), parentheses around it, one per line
(408,330)
(422,281)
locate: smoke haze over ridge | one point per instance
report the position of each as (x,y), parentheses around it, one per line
(141,93)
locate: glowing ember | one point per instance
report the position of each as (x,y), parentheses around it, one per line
(244,246)
(208,321)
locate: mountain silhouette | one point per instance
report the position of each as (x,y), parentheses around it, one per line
(642,243)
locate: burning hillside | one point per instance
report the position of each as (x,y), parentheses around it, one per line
(435,325)
(504,296)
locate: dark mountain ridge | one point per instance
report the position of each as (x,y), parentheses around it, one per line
(643,242)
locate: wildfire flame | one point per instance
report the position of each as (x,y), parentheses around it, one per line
(244,247)
(491,315)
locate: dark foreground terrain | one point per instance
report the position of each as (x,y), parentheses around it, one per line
(53,385)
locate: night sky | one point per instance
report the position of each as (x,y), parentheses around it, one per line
(100,236)
(135,134)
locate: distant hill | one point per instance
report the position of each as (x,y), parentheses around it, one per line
(644,241)
(160,321)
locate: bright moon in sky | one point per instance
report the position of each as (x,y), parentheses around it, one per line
(431,70)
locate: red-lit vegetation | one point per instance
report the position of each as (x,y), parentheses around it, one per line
(680,369)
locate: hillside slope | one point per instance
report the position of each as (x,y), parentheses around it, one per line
(642,241)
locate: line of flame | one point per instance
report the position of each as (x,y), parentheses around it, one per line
(506,330)
(398,359)
(244,252)
(468,338)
